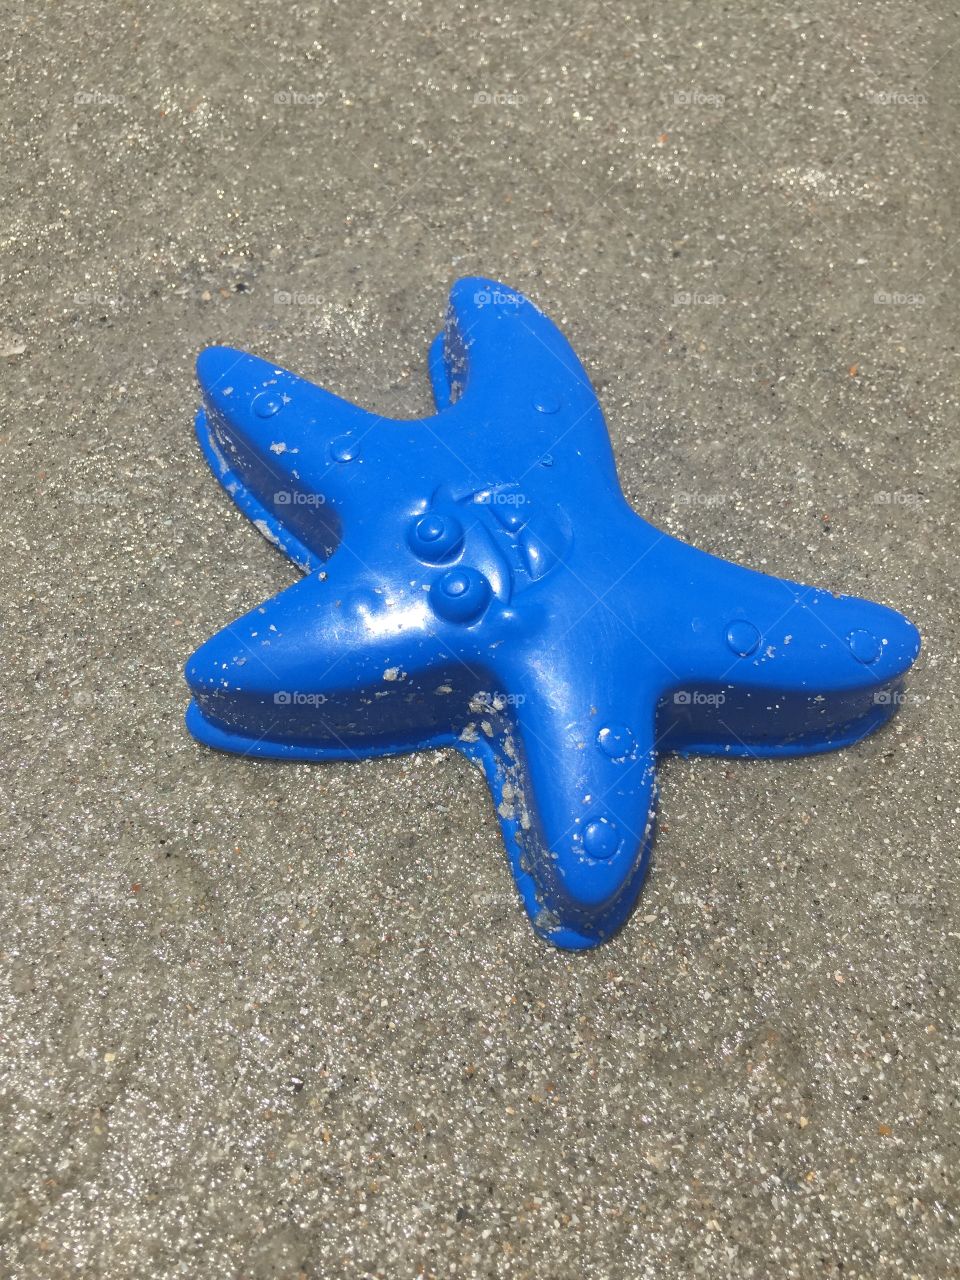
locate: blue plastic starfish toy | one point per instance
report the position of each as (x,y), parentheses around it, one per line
(476,579)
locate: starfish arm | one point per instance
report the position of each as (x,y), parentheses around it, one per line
(578,792)
(763,665)
(285,449)
(331,668)
(502,370)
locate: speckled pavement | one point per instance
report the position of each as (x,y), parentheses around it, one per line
(262,1020)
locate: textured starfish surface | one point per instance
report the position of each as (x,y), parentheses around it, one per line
(476,579)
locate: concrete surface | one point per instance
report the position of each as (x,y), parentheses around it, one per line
(289,1021)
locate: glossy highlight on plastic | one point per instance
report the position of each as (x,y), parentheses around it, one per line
(476,579)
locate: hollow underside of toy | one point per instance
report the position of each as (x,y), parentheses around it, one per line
(476,580)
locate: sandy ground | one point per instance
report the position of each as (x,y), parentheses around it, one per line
(289,1021)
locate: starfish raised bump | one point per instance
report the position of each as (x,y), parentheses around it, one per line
(477,579)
